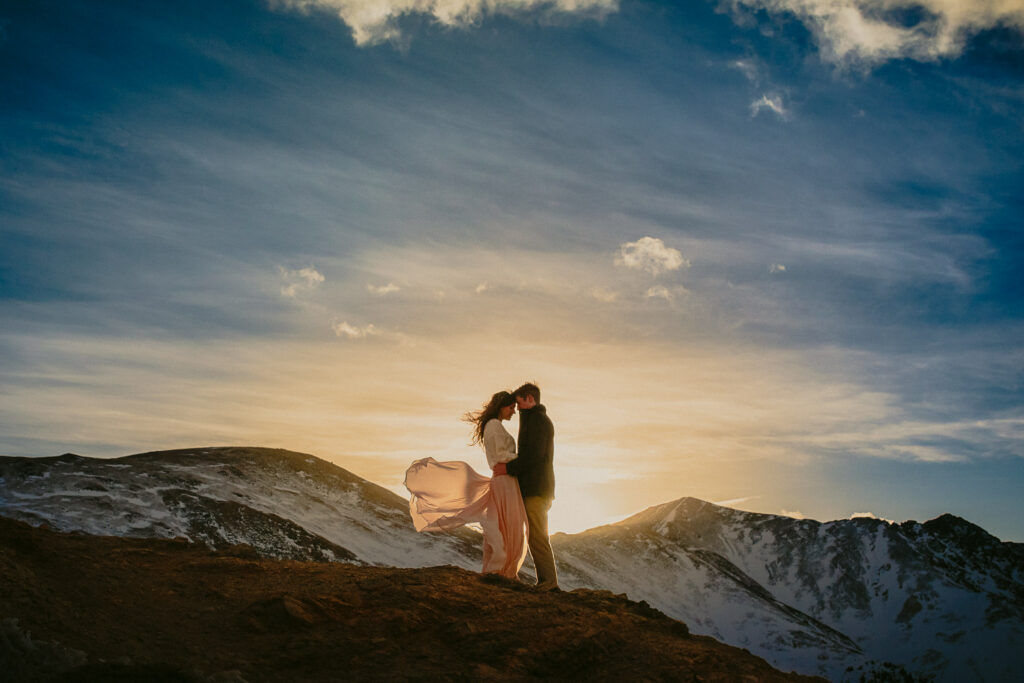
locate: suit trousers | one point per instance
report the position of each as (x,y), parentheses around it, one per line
(540,545)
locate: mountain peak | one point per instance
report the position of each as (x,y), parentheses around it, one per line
(959,529)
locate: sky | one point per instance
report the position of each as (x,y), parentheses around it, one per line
(766,253)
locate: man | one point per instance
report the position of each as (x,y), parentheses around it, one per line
(534,468)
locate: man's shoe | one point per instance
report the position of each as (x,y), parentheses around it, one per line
(549,587)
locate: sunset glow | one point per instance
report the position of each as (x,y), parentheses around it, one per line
(779,267)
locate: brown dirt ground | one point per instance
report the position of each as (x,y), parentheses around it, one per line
(95,608)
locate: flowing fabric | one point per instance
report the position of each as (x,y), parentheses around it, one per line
(447,495)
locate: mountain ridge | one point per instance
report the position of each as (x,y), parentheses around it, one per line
(943,598)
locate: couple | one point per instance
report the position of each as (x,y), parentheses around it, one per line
(512,505)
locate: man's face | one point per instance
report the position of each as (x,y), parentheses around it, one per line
(525,402)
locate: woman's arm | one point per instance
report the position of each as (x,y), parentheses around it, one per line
(498,444)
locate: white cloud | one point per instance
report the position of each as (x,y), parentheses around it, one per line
(383,290)
(795,514)
(659,292)
(344,329)
(732,502)
(870,515)
(376,21)
(871,31)
(772,103)
(295,281)
(605,295)
(481,288)
(650,254)
(776,268)
(747,68)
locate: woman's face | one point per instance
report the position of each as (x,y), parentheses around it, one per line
(507,412)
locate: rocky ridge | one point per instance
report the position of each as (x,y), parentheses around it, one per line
(77,607)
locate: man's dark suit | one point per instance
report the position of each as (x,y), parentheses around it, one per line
(534,468)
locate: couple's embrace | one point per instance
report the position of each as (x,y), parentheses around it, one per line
(512,505)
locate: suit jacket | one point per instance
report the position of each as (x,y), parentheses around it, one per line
(534,466)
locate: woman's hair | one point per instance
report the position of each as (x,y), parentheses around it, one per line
(491,410)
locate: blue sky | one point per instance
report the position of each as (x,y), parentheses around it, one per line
(763,252)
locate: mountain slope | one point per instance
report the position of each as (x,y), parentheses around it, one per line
(284,504)
(171,611)
(942,598)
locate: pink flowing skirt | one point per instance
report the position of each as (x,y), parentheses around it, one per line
(447,495)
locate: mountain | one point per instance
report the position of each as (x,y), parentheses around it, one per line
(283,504)
(158,610)
(942,599)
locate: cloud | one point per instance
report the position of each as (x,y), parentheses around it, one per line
(776,268)
(376,21)
(732,502)
(294,282)
(650,254)
(659,292)
(383,290)
(605,295)
(772,103)
(481,288)
(874,31)
(870,515)
(344,329)
(747,68)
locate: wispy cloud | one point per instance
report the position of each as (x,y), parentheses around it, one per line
(650,254)
(294,282)
(383,290)
(349,331)
(481,288)
(870,515)
(772,103)
(732,502)
(748,68)
(776,268)
(376,21)
(605,295)
(659,292)
(873,31)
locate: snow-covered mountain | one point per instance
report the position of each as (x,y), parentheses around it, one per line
(283,504)
(942,598)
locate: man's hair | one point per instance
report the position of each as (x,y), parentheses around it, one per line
(528,389)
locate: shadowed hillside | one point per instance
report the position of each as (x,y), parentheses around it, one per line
(91,608)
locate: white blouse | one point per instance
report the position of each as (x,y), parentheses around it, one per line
(498,443)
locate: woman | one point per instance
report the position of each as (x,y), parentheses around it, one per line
(446,495)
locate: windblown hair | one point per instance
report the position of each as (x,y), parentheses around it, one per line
(491,410)
(528,389)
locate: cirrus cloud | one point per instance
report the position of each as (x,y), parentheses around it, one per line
(650,254)
(376,21)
